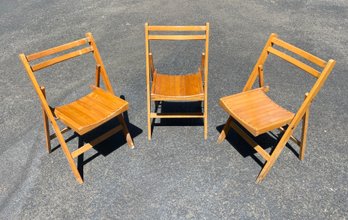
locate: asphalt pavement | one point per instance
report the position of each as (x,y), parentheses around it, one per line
(176,175)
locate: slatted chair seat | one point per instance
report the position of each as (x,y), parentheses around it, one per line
(258,114)
(84,114)
(179,88)
(90,111)
(166,87)
(256,111)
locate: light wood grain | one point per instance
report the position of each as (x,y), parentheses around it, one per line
(84,114)
(261,77)
(64,130)
(292,138)
(169,87)
(50,116)
(148,91)
(205,82)
(258,114)
(90,111)
(176,28)
(59,59)
(303,144)
(57,49)
(45,121)
(256,111)
(292,60)
(152,66)
(293,124)
(99,61)
(177,37)
(300,52)
(97,75)
(263,56)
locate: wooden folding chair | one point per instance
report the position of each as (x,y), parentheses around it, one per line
(167,87)
(258,114)
(84,114)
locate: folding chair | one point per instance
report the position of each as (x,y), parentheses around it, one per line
(183,88)
(258,114)
(84,114)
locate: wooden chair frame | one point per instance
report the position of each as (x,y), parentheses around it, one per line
(48,115)
(151,71)
(301,114)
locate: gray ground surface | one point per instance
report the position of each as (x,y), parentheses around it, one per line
(177,175)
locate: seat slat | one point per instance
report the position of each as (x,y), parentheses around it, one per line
(267,117)
(108,98)
(91,108)
(97,99)
(255,109)
(295,62)
(242,100)
(59,59)
(57,49)
(69,118)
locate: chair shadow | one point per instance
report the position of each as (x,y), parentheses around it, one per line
(175,107)
(107,146)
(267,141)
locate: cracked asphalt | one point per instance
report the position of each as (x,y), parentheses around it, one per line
(176,175)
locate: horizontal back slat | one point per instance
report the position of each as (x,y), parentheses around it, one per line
(57,49)
(299,52)
(177,37)
(177,28)
(294,61)
(55,60)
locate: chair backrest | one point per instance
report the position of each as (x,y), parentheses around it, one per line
(203,35)
(91,48)
(321,76)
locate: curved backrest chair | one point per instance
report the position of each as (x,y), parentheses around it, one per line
(167,87)
(84,114)
(258,114)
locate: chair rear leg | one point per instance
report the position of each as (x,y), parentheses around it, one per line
(205,120)
(126,132)
(149,128)
(225,130)
(205,127)
(47,131)
(46,126)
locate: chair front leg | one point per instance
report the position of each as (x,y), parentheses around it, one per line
(304,134)
(67,153)
(274,156)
